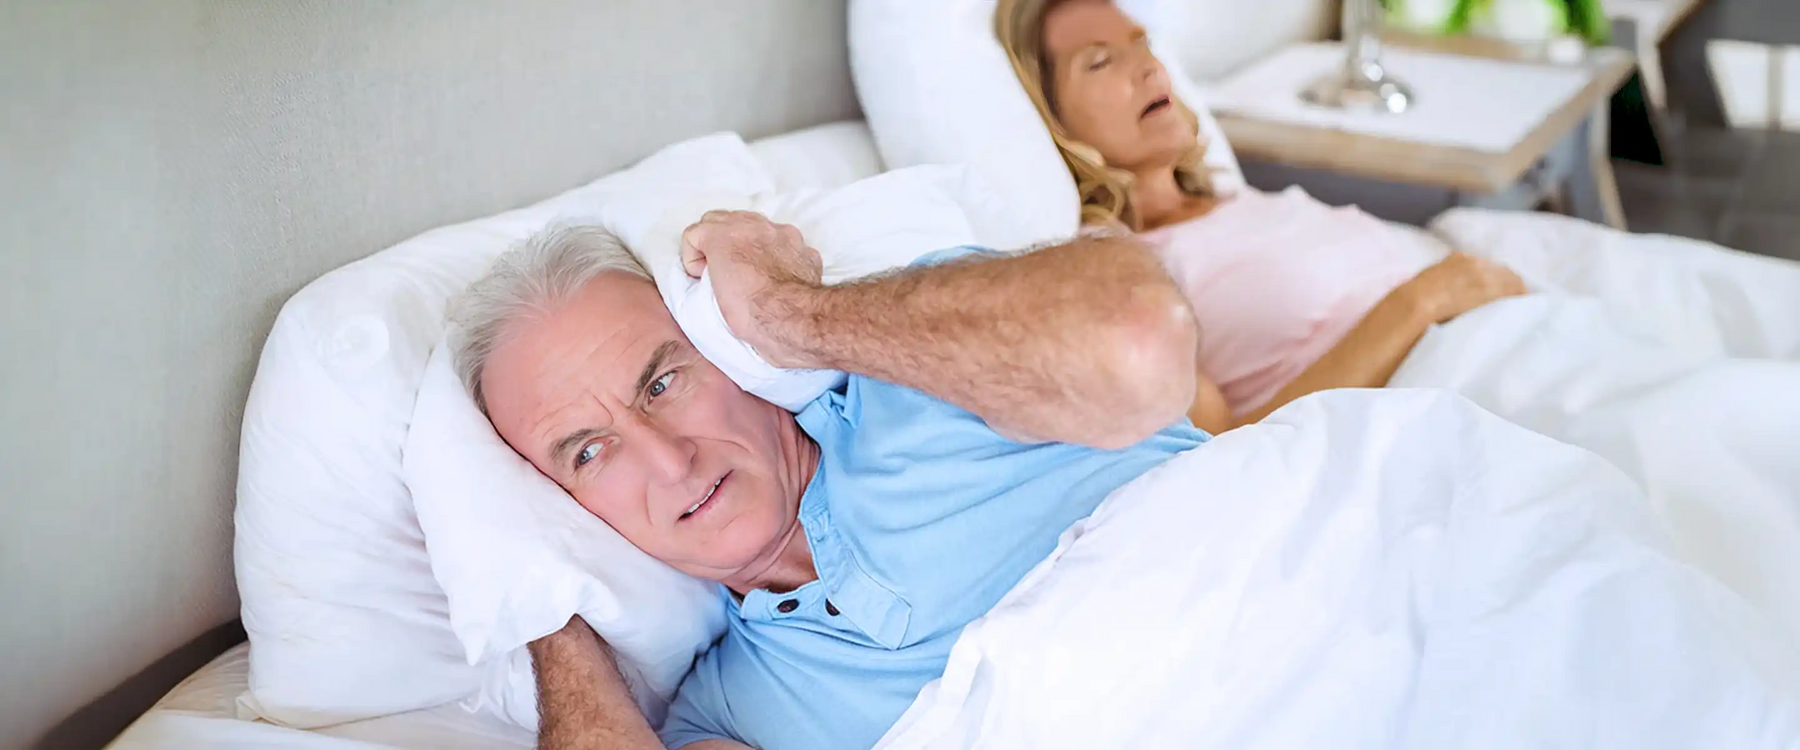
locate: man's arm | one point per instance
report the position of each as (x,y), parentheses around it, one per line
(1087,342)
(583,703)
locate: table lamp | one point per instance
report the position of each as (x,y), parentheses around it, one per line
(1362,84)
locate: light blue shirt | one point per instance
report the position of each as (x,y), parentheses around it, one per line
(919,517)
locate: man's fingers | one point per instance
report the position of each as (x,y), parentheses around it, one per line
(717,215)
(693,259)
(721,231)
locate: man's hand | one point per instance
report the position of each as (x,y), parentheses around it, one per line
(759,270)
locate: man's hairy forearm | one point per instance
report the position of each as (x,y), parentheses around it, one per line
(583,702)
(1087,342)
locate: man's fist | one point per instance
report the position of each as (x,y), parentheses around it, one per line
(758,269)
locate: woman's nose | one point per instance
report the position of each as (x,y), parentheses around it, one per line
(1150,69)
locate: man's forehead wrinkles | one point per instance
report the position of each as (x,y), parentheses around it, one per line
(571,397)
(547,431)
(584,389)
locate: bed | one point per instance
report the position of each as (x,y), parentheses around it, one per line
(202,712)
(206,711)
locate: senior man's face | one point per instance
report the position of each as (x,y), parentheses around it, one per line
(608,398)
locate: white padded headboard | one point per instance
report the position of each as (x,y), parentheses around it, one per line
(1215,37)
(173,171)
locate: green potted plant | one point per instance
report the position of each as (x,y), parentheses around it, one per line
(1511,20)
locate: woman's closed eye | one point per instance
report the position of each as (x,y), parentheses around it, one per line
(1099,61)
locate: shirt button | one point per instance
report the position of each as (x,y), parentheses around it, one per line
(830,609)
(787,605)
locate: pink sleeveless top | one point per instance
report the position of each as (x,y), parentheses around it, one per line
(1277,279)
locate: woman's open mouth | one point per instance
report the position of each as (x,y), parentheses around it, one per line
(1162,104)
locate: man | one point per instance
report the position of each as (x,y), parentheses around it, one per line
(855,539)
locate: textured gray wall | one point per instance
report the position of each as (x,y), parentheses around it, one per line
(171,171)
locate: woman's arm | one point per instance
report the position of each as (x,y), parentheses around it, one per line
(1210,412)
(1368,356)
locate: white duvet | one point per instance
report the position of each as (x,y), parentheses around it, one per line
(1400,568)
(1676,360)
(1367,569)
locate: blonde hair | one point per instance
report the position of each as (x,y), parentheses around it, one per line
(1105,191)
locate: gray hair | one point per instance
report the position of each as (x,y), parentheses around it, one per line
(535,277)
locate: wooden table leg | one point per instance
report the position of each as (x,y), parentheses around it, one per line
(1592,192)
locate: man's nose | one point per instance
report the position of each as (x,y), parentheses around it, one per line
(669,456)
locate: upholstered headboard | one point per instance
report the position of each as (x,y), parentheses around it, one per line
(171,172)
(1214,37)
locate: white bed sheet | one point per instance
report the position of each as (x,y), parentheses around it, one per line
(201,712)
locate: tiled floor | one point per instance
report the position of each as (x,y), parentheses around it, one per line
(1740,188)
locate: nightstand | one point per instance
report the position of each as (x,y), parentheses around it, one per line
(1492,126)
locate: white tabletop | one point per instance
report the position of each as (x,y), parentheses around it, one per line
(1466,102)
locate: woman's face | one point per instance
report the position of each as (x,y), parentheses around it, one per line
(1108,90)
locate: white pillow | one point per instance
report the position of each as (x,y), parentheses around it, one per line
(936,88)
(824,156)
(345,618)
(517,556)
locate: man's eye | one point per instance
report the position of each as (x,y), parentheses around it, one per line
(588,453)
(661,384)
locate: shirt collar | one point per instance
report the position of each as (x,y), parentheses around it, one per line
(864,602)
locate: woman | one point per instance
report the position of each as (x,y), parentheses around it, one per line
(1695,396)
(1293,296)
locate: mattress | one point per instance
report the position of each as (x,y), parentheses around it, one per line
(201,712)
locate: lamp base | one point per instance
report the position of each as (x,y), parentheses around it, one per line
(1372,91)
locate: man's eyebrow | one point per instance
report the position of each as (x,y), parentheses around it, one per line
(654,367)
(559,453)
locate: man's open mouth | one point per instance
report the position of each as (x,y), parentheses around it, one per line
(703,501)
(1161,104)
